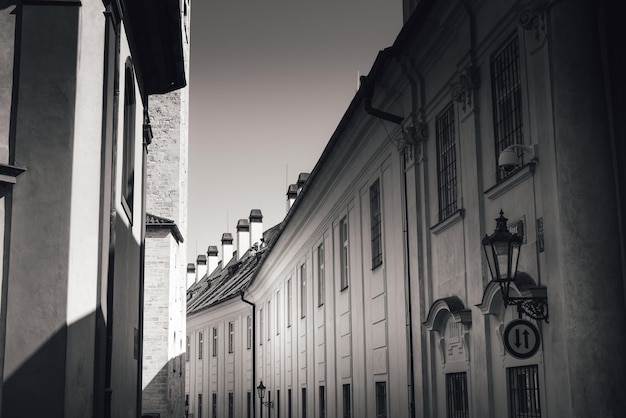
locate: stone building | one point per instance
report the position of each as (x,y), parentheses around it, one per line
(166,249)
(374,297)
(75,81)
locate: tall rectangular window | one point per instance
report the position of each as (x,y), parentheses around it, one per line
(289,403)
(231,405)
(523,385)
(128,162)
(506,87)
(199,405)
(214,341)
(347,404)
(278,404)
(321,285)
(278,313)
(289,303)
(446,162)
(375,225)
(213,405)
(303,415)
(248,405)
(343,252)
(456,395)
(231,337)
(200,344)
(303,291)
(269,320)
(322,400)
(188,348)
(261,324)
(381,399)
(249,332)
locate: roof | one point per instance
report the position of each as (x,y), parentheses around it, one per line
(154,221)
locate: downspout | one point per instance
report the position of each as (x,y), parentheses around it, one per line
(253,349)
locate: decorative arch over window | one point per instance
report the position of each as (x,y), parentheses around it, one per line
(449,318)
(523,286)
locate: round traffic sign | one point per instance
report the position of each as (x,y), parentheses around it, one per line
(521,338)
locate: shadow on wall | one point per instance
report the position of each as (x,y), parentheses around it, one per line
(164,395)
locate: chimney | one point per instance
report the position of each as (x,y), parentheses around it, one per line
(292,193)
(191,274)
(243,237)
(227,248)
(302,178)
(256,227)
(201,269)
(212,258)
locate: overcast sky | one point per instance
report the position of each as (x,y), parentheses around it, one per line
(269,82)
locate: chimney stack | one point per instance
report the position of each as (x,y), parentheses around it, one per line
(256,227)
(302,178)
(243,237)
(227,248)
(191,274)
(212,258)
(201,269)
(292,193)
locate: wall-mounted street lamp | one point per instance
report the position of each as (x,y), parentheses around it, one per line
(261,392)
(502,249)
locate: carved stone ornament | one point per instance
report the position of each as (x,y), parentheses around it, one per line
(533,17)
(463,88)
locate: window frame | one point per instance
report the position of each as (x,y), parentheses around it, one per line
(289,301)
(321,278)
(346,400)
(215,340)
(512,377)
(128,141)
(447,165)
(344,253)
(249,332)
(303,291)
(231,337)
(200,344)
(382,408)
(457,397)
(376,224)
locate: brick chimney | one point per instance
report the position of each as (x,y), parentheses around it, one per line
(256,227)
(191,274)
(227,248)
(212,258)
(201,267)
(243,237)
(292,193)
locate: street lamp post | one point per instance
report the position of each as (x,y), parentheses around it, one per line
(261,392)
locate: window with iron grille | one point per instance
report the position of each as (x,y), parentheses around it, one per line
(278,312)
(200,344)
(249,405)
(322,400)
(249,332)
(303,403)
(289,293)
(377,248)
(456,395)
(343,249)
(507,99)
(278,404)
(446,162)
(321,286)
(231,337)
(261,326)
(269,320)
(523,385)
(214,341)
(188,348)
(231,404)
(199,405)
(381,399)
(213,405)
(289,403)
(303,291)
(347,405)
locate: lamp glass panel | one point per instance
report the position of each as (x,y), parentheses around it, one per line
(502,252)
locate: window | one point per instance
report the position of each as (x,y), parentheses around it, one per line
(188,348)
(289,403)
(248,405)
(231,404)
(128,162)
(322,402)
(303,403)
(303,291)
(231,337)
(213,406)
(446,162)
(261,326)
(320,275)
(200,344)
(269,320)
(249,332)
(278,313)
(381,400)
(507,99)
(377,248)
(347,408)
(456,395)
(199,405)
(343,256)
(214,341)
(289,303)
(524,392)
(278,404)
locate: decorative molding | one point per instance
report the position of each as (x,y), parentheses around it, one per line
(521,174)
(533,16)
(463,88)
(448,222)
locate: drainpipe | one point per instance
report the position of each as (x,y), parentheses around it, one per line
(253,350)
(368,92)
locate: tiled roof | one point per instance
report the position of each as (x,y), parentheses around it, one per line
(154,221)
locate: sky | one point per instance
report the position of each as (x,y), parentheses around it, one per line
(269,81)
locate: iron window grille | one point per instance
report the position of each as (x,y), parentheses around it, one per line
(381,399)
(214,405)
(199,405)
(231,337)
(303,291)
(446,162)
(507,100)
(261,324)
(200,345)
(456,395)
(303,403)
(231,405)
(278,313)
(523,385)
(322,400)
(289,293)
(188,348)
(321,285)
(343,248)
(214,342)
(249,332)
(375,223)
(347,406)
(248,405)
(289,404)
(269,320)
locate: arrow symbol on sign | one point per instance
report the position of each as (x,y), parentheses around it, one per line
(525,337)
(517,341)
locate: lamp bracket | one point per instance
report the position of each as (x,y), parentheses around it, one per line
(536,308)
(530,151)
(269,404)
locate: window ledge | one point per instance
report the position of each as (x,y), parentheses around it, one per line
(448,222)
(9,173)
(521,174)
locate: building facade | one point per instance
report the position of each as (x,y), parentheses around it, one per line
(375,299)
(76,77)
